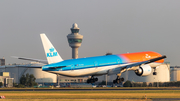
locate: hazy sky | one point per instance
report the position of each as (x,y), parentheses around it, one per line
(116,26)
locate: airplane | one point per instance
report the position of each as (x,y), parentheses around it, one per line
(142,63)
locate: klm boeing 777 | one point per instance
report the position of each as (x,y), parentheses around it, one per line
(141,62)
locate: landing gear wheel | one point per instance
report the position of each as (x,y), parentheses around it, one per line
(92,80)
(114,81)
(88,80)
(154,73)
(122,79)
(118,80)
(96,79)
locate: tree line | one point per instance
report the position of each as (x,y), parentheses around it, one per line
(26,81)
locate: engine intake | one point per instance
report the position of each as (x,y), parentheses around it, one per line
(144,70)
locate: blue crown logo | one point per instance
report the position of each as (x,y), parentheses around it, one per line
(51,49)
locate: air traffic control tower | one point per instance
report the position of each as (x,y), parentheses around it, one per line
(75,40)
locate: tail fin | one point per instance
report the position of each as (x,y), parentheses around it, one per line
(51,53)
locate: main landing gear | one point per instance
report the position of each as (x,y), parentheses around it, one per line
(92,79)
(118,80)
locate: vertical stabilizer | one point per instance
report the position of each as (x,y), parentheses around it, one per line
(51,53)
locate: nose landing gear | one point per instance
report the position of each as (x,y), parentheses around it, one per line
(118,79)
(154,73)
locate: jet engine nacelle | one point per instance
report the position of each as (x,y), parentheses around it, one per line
(144,70)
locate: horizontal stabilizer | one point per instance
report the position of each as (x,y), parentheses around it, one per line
(31,59)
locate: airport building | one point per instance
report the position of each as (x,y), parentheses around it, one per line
(2,62)
(16,71)
(175,73)
(6,80)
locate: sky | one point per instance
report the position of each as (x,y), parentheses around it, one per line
(116,26)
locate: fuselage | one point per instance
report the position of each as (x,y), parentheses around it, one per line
(98,65)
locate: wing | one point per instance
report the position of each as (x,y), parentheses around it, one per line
(118,69)
(31,59)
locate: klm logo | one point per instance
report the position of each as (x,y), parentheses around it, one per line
(52,53)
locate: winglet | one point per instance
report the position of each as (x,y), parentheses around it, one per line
(51,53)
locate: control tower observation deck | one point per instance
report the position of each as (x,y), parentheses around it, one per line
(75,40)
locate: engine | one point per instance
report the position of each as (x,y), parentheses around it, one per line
(144,70)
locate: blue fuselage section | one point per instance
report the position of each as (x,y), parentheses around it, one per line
(84,63)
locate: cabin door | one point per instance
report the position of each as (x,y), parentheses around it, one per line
(96,64)
(118,61)
(72,67)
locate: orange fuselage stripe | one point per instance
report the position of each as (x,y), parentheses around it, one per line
(141,56)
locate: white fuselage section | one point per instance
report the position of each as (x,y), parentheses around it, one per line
(96,70)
